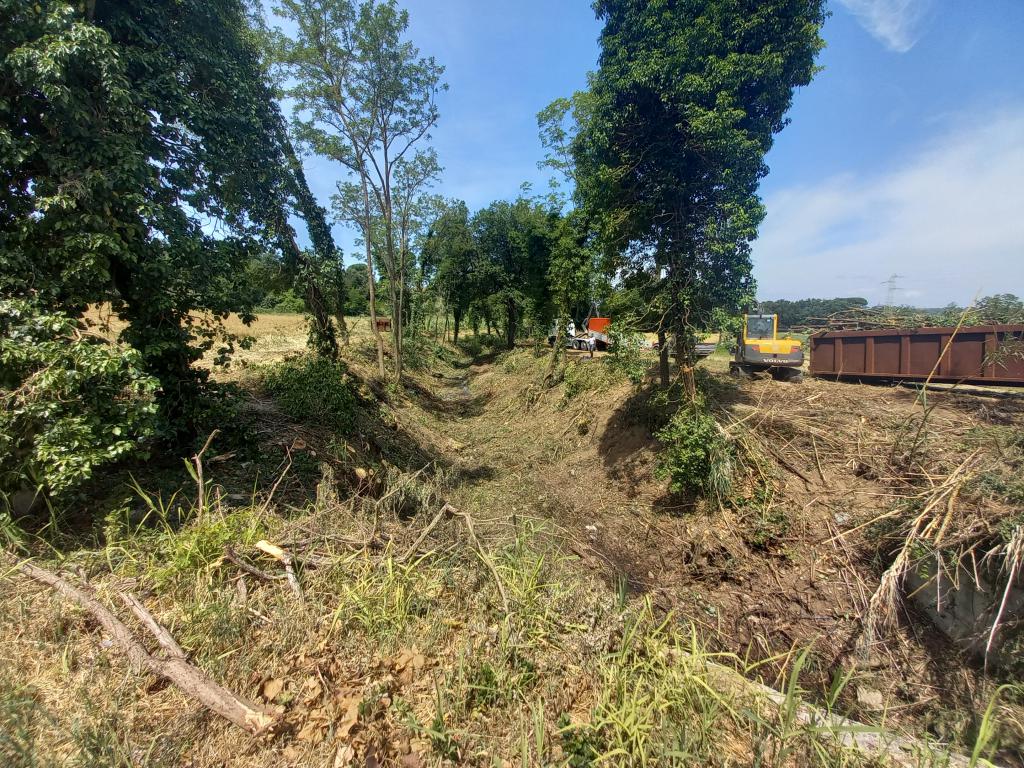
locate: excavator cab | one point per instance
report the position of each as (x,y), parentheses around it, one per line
(759,349)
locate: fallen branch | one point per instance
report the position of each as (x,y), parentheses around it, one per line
(483,556)
(286,560)
(252,570)
(192,681)
(445,510)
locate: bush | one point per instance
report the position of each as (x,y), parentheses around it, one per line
(286,302)
(71,401)
(628,354)
(696,458)
(314,390)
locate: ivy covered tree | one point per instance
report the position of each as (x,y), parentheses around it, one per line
(670,148)
(142,166)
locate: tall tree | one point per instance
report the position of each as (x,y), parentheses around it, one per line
(682,110)
(365,97)
(129,128)
(515,241)
(452,254)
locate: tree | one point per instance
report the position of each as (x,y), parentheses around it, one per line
(356,287)
(450,251)
(365,97)
(670,149)
(141,167)
(801,311)
(514,240)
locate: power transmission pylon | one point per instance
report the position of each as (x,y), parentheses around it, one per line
(890,293)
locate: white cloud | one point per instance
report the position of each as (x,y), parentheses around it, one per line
(950,220)
(894,23)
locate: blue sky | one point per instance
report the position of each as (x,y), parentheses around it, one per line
(905,155)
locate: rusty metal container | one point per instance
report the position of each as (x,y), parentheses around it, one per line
(990,354)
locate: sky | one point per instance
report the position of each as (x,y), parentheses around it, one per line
(904,156)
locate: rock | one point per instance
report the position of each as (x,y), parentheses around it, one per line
(870,699)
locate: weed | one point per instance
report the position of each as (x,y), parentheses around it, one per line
(765,522)
(696,456)
(381,598)
(1007,487)
(174,554)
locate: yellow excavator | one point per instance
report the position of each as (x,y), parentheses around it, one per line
(760,350)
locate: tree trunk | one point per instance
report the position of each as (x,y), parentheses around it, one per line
(684,340)
(458,320)
(321,336)
(342,325)
(371,279)
(663,370)
(557,349)
(510,330)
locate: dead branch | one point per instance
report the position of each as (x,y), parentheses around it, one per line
(243,566)
(286,560)
(484,556)
(445,510)
(166,640)
(192,681)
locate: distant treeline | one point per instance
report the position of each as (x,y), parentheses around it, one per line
(799,312)
(1003,308)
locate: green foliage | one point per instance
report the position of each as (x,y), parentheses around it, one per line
(286,302)
(128,129)
(801,311)
(71,401)
(696,456)
(629,354)
(451,255)
(728,325)
(356,287)
(515,245)
(671,141)
(314,390)
(1003,308)
(764,522)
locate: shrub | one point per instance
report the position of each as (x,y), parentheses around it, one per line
(697,457)
(629,355)
(315,390)
(71,401)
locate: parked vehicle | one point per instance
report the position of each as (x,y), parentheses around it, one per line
(760,350)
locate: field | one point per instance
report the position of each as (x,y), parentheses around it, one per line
(490,572)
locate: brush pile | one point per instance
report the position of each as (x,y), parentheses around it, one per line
(928,490)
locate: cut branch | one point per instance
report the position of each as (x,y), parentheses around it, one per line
(192,681)
(447,509)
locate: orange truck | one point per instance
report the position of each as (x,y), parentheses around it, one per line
(597,330)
